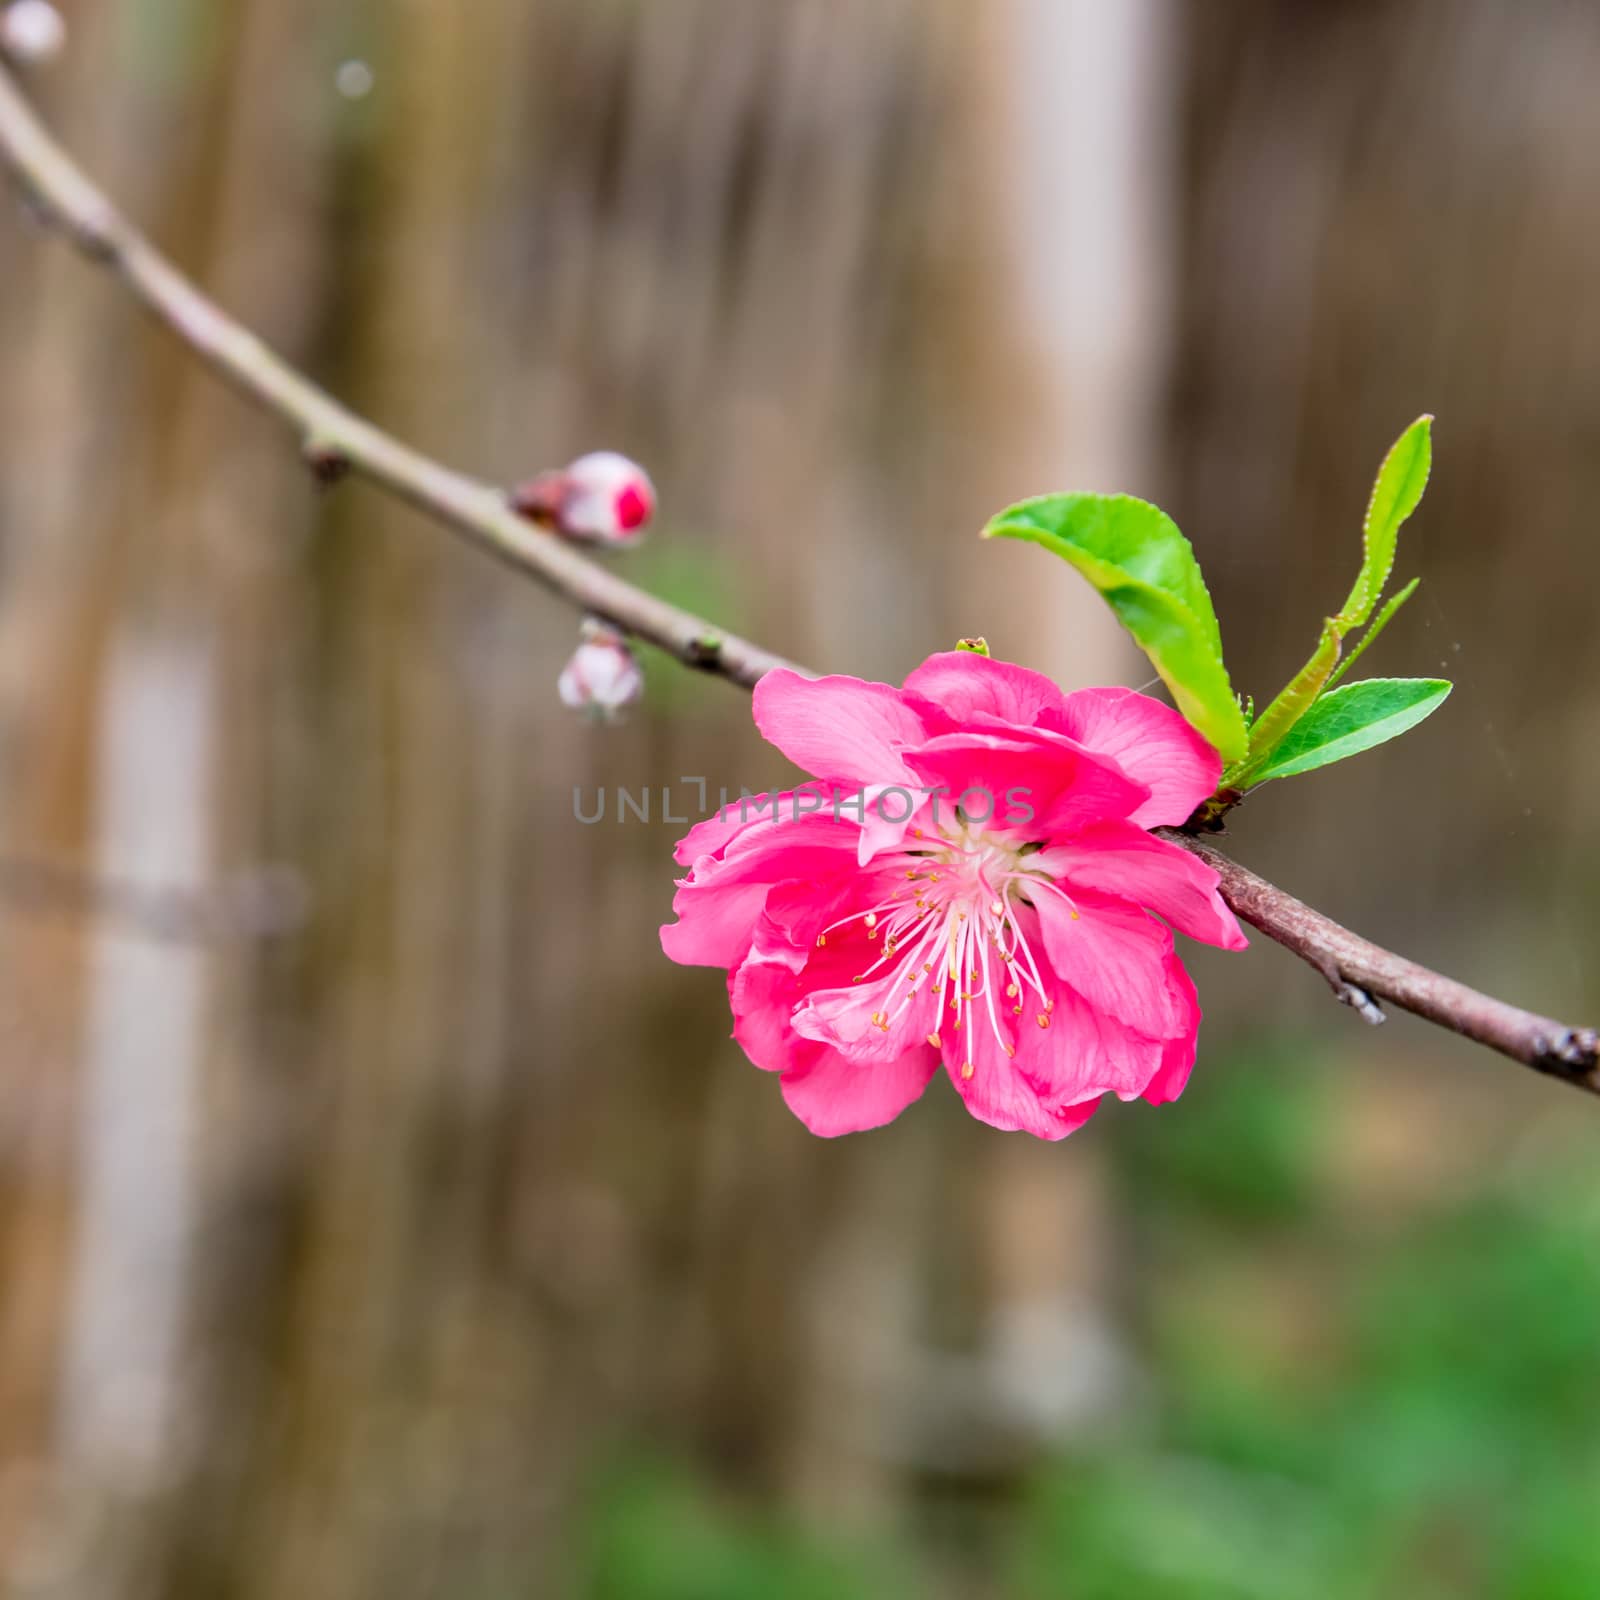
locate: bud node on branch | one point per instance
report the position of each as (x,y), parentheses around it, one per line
(328,460)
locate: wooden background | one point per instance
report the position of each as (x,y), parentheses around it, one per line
(342,1237)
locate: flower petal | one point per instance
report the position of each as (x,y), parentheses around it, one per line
(713,835)
(1114,956)
(1178,1054)
(1033,787)
(832,1095)
(762,994)
(997,1089)
(1082,1050)
(718,903)
(965,685)
(838,728)
(1150,741)
(872,1000)
(1121,859)
(713,926)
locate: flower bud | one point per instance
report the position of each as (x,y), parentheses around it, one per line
(601,498)
(32,30)
(603,678)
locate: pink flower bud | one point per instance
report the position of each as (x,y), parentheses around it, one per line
(603,678)
(32,30)
(601,498)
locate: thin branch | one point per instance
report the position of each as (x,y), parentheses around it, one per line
(333,439)
(1362,973)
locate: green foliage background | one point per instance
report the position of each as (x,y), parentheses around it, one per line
(1401,1406)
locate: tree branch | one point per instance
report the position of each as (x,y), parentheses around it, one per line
(333,439)
(1362,973)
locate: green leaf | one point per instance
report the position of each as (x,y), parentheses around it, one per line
(1396,494)
(1296,698)
(1145,569)
(1354,718)
(1385,616)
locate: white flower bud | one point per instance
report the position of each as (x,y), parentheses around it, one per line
(603,678)
(32,30)
(601,498)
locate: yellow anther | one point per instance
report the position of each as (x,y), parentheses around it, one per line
(822,939)
(966,1069)
(1011,1049)
(936,1041)
(872,919)
(1011,991)
(1043,1019)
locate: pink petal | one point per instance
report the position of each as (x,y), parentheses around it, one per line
(888,812)
(843,1018)
(832,1095)
(1121,859)
(999,1091)
(852,995)
(713,927)
(761,812)
(1084,1051)
(1114,956)
(712,836)
(1151,742)
(762,995)
(838,728)
(1033,787)
(1178,1053)
(792,991)
(719,902)
(966,685)
(829,1092)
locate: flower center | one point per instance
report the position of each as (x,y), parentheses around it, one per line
(952,925)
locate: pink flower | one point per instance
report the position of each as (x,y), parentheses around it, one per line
(601,498)
(1002,925)
(602,678)
(32,31)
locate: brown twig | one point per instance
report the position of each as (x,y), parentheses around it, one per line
(334,440)
(1362,974)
